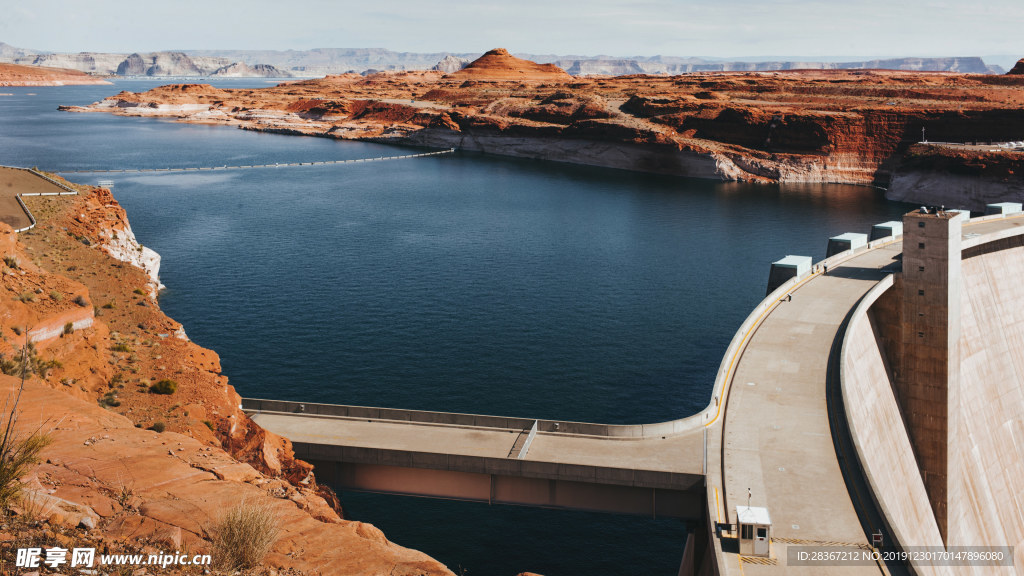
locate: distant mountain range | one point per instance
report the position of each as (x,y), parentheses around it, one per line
(140,64)
(322,61)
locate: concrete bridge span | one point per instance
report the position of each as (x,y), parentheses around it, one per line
(790,427)
(493,459)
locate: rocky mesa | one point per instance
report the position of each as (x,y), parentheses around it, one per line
(840,126)
(149,445)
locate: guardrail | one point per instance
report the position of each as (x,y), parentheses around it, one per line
(31,218)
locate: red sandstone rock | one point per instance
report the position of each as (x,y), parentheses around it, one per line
(498,64)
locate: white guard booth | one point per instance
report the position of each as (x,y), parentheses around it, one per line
(755,531)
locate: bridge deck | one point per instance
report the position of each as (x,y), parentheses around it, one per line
(683,454)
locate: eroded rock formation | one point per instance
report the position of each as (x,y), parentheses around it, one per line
(800,126)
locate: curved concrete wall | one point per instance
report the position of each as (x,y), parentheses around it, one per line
(880,436)
(989,508)
(987,500)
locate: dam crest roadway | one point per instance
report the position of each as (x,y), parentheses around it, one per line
(775,434)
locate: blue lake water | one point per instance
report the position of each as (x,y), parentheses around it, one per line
(461,282)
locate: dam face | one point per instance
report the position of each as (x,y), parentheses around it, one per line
(937,411)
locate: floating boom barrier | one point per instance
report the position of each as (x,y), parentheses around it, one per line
(242,167)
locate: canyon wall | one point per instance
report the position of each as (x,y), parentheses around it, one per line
(960,176)
(953,190)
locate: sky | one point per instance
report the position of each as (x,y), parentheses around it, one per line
(722,28)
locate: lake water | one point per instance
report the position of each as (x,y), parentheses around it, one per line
(460,282)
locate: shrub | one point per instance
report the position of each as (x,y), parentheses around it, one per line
(27,297)
(244,536)
(109,306)
(26,362)
(158,427)
(11,262)
(121,347)
(81,301)
(18,453)
(208,424)
(43,367)
(56,296)
(69,328)
(110,399)
(164,387)
(139,291)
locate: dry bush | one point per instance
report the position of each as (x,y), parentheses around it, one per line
(18,452)
(244,536)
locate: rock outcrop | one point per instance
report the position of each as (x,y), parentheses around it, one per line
(450,64)
(1018,68)
(168,64)
(243,70)
(963,176)
(99,64)
(602,67)
(498,64)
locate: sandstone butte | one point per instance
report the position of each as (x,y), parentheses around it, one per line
(139,489)
(841,126)
(17,75)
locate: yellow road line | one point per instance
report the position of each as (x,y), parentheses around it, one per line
(757,324)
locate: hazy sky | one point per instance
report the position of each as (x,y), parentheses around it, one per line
(728,28)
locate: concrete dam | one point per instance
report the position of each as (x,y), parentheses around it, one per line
(870,410)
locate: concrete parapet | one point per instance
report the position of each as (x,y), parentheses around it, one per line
(844,242)
(890,229)
(621,431)
(1004,208)
(786,269)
